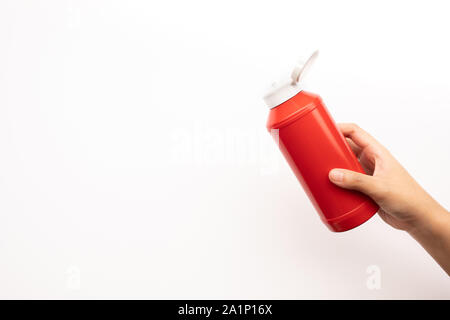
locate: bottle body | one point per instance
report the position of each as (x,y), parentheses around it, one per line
(313,145)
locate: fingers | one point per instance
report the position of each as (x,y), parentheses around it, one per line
(367,164)
(356,181)
(360,137)
(356,150)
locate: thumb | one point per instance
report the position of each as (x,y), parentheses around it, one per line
(354,180)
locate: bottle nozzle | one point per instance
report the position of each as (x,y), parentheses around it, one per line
(286,89)
(302,67)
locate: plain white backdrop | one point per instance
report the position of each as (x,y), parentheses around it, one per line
(134,161)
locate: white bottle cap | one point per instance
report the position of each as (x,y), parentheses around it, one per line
(285,90)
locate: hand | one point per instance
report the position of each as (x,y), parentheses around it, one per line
(403,203)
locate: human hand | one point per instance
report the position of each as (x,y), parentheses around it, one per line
(403,203)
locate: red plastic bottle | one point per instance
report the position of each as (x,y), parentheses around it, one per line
(313,145)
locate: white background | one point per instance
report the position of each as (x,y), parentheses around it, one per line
(134,161)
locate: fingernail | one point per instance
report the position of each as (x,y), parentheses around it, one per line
(336,175)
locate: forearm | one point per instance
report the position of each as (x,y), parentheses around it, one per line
(434,234)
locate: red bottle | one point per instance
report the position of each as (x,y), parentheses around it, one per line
(313,145)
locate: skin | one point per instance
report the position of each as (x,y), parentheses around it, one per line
(404,204)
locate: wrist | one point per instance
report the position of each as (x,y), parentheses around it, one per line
(432,220)
(434,237)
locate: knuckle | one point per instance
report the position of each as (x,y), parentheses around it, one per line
(355,180)
(354,126)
